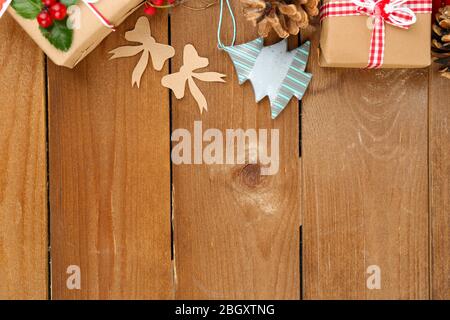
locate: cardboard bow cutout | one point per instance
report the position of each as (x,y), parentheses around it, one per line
(191,62)
(149,48)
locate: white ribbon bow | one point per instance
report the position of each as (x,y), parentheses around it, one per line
(4,4)
(392,11)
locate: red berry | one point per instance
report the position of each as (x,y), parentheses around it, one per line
(44,19)
(171,1)
(158,2)
(58,11)
(150,10)
(48,3)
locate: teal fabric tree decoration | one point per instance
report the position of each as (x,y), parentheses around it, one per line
(272,70)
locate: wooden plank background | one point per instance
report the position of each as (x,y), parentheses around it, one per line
(365,192)
(110,176)
(236,232)
(23,163)
(371,187)
(439,187)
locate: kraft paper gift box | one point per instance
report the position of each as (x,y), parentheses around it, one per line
(88,36)
(345,42)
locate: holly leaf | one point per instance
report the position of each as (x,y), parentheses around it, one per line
(68,3)
(59,35)
(28,9)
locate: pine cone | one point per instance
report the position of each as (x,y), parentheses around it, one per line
(284,16)
(440,44)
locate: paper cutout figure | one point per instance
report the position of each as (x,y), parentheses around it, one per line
(158,52)
(272,70)
(191,62)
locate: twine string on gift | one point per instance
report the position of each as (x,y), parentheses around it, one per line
(398,13)
(183,4)
(199,8)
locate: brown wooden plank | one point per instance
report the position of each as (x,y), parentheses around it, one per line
(23,176)
(439,185)
(236,232)
(365,183)
(110,176)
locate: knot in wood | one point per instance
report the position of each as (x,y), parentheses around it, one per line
(250,175)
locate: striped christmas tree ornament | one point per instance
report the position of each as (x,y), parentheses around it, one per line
(272,70)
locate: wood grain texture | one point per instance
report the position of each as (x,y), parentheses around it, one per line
(440,185)
(23,176)
(365,184)
(110,176)
(236,232)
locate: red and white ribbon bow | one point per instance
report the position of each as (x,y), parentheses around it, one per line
(89,3)
(98,14)
(399,13)
(4,4)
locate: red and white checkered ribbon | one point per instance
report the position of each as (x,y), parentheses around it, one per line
(399,13)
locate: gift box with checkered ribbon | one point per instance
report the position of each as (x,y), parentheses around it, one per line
(375,33)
